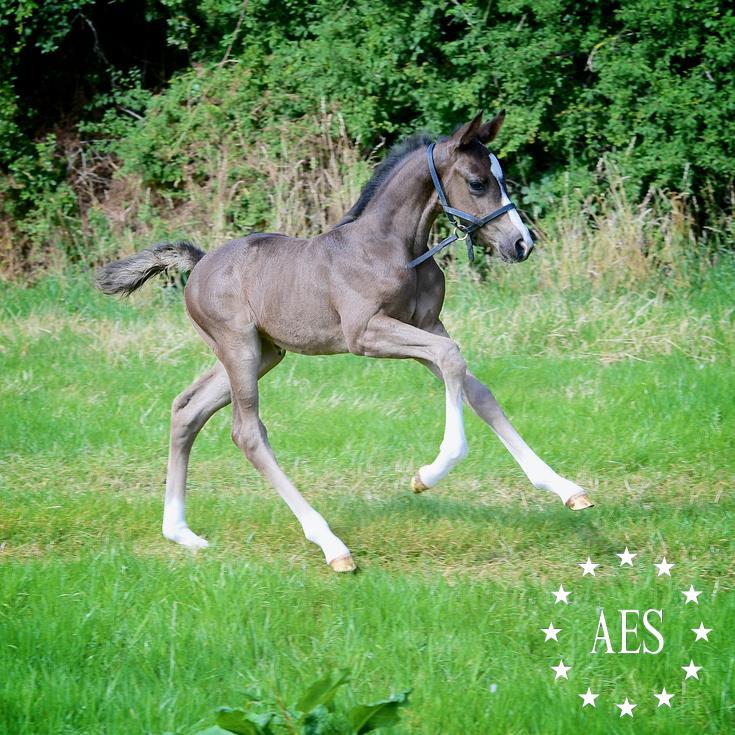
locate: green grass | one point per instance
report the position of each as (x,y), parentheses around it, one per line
(107,628)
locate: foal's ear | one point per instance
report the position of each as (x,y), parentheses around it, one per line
(468,132)
(489,130)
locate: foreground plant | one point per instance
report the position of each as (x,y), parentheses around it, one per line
(314,713)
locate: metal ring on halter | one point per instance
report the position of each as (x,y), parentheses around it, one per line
(461,234)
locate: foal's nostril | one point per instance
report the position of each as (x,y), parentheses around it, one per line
(521,253)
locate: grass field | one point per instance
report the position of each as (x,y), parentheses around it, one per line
(107,628)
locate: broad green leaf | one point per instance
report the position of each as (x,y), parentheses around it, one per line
(316,722)
(323,690)
(366,717)
(240,722)
(320,721)
(214,730)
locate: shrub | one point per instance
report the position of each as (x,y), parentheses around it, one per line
(647,87)
(315,713)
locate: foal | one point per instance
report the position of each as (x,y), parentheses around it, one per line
(363,288)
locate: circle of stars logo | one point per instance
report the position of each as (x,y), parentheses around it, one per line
(660,696)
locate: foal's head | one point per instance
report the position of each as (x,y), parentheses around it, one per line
(473,183)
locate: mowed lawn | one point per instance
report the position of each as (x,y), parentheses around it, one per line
(105,627)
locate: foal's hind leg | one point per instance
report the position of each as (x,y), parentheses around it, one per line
(240,353)
(189,412)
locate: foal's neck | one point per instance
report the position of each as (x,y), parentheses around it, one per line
(405,207)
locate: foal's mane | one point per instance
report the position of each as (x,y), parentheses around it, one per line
(383,170)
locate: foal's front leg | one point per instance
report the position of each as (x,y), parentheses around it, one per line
(483,403)
(542,477)
(387,337)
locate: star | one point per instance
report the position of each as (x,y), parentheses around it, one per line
(663,698)
(626,558)
(701,633)
(561,595)
(588,567)
(561,670)
(691,670)
(626,708)
(551,632)
(663,568)
(588,698)
(691,594)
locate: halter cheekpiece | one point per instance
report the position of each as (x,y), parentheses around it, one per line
(464,223)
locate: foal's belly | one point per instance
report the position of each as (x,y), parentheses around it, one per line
(306,332)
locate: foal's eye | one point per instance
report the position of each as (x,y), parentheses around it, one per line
(477,186)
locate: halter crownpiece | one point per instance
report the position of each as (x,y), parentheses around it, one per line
(464,223)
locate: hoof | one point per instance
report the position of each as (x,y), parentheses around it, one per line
(186,537)
(343,564)
(416,485)
(580,501)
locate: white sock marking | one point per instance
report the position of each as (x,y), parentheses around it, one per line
(538,472)
(175,528)
(453,447)
(317,530)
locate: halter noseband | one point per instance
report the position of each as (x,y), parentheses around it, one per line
(469,223)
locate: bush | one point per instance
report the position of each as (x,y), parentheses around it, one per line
(315,713)
(649,87)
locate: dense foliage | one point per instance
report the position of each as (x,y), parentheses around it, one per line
(158,89)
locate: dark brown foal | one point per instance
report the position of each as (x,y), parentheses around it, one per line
(347,290)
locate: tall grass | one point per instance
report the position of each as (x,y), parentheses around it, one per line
(303,183)
(300,185)
(610,241)
(312,182)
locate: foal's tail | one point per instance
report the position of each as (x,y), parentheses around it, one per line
(126,275)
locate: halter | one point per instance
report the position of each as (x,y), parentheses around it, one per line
(469,223)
